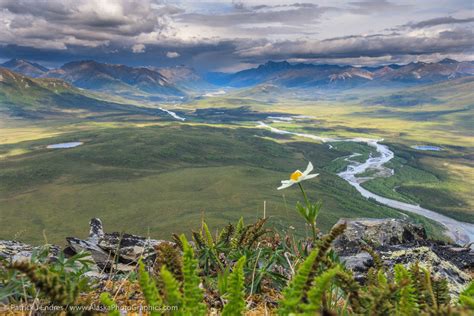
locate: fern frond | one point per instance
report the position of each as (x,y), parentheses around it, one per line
(193,296)
(198,240)
(382,279)
(149,290)
(254,232)
(466,298)
(441,291)
(243,235)
(294,291)
(208,236)
(235,240)
(177,241)
(407,299)
(373,273)
(171,293)
(60,292)
(378,264)
(418,281)
(323,248)
(222,280)
(236,302)
(320,284)
(352,288)
(108,302)
(167,255)
(226,233)
(429,289)
(240,225)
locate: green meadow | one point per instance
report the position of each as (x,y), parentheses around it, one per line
(149,180)
(149,175)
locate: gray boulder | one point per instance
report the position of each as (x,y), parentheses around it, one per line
(15,251)
(378,232)
(117,252)
(401,242)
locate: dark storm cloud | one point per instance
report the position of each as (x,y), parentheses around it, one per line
(438,21)
(198,56)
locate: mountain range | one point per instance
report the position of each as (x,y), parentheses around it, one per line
(180,82)
(134,82)
(335,76)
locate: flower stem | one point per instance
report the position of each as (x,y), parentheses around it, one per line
(304,195)
(308,205)
(313,230)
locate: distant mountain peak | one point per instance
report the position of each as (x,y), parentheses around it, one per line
(448,61)
(275,65)
(116,78)
(25,67)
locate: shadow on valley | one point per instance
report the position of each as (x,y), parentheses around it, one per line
(228,115)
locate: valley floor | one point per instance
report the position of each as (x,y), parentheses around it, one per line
(149,176)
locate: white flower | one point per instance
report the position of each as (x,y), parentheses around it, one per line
(298,176)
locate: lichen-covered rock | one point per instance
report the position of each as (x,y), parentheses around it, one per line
(129,247)
(9,249)
(359,264)
(428,259)
(118,252)
(401,242)
(15,251)
(377,232)
(98,255)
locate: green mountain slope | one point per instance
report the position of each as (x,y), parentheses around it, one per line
(25,97)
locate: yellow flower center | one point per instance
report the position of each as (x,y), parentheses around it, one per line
(296,175)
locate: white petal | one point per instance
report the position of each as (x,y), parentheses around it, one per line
(310,176)
(309,168)
(285,184)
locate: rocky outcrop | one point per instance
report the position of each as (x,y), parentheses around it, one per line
(378,232)
(401,242)
(16,251)
(117,252)
(396,241)
(111,252)
(429,259)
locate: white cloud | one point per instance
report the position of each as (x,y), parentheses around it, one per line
(225,34)
(172,55)
(138,48)
(87,23)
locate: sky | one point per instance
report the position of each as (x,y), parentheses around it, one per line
(233,35)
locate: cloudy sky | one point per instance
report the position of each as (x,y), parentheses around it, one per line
(232,35)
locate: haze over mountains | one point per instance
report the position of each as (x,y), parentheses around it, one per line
(175,83)
(335,76)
